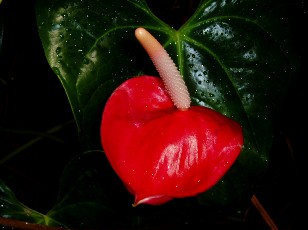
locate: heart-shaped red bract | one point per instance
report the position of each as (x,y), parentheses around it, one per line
(160,152)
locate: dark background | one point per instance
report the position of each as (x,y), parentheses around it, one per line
(32,100)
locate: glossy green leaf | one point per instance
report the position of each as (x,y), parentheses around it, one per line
(232,54)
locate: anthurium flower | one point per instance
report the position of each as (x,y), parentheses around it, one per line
(158,144)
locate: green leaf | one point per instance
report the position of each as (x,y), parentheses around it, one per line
(91,47)
(11,208)
(83,200)
(87,197)
(232,54)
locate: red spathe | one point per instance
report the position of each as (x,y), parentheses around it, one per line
(160,152)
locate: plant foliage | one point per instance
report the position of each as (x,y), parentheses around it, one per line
(233,55)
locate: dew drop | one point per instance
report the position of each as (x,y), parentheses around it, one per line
(190,65)
(58,50)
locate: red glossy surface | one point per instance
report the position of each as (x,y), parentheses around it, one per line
(161,153)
